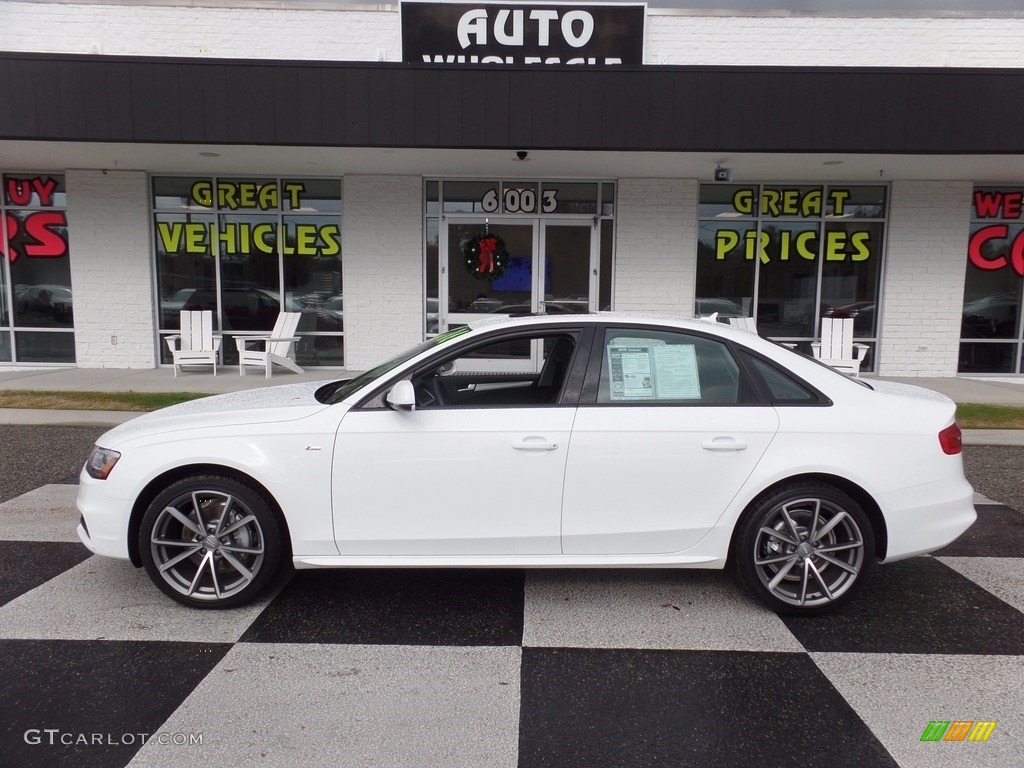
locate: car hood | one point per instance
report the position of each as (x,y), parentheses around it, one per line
(254,406)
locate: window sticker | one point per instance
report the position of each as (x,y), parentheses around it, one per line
(657,372)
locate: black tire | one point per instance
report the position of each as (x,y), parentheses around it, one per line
(804,548)
(210,541)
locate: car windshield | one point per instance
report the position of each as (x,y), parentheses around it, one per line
(339,390)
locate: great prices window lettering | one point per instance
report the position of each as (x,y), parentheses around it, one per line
(772,243)
(232,238)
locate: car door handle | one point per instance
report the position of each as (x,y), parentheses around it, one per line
(724,444)
(534,444)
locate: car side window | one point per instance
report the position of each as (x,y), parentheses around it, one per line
(784,389)
(651,366)
(518,371)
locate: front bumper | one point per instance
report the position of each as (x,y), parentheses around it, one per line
(106,518)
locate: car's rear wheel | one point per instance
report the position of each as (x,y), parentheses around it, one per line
(804,548)
(210,542)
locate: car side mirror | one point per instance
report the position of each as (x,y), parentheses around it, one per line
(402,396)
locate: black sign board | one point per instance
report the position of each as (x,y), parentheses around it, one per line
(523,33)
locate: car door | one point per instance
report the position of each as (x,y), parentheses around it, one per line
(475,468)
(670,433)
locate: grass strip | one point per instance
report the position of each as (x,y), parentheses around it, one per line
(978,416)
(93,401)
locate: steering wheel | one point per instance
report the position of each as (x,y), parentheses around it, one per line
(429,391)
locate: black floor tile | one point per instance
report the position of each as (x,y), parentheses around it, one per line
(24,565)
(85,703)
(916,606)
(396,607)
(601,708)
(998,532)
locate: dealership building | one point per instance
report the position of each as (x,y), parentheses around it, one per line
(393,171)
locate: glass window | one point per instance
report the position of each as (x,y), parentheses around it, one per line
(503,382)
(311,195)
(782,387)
(432,305)
(725,269)
(856,202)
(175,193)
(727,201)
(789,255)
(249,249)
(993,283)
(604,289)
(849,276)
(650,367)
(788,279)
(469,196)
(607,199)
(566,197)
(35,279)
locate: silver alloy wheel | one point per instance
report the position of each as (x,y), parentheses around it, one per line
(207,545)
(808,552)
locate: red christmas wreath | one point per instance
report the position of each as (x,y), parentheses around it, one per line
(486,256)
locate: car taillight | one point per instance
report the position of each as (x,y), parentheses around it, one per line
(951,440)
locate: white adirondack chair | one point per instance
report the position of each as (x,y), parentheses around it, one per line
(746,323)
(197,344)
(275,348)
(836,347)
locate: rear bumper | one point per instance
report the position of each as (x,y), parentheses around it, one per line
(926,518)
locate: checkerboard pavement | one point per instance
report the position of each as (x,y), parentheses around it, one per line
(483,668)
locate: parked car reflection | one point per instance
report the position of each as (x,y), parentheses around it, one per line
(862,312)
(991,317)
(331,314)
(724,307)
(52,301)
(244,309)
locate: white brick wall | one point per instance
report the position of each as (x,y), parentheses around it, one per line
(111,268)
(924,280)
(656,240)
(382,264)
(242,31)
(311,31)
(818,39)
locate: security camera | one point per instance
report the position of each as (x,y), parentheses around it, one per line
(521,154)
(722,174)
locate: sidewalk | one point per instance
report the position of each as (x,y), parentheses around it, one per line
(961,390)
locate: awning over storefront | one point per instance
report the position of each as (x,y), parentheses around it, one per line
(51,97)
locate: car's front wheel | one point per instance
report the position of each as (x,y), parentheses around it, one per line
(804,548)
(210,542)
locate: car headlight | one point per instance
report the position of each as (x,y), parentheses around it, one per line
(101,462)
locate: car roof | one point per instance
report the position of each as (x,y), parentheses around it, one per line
(644,318)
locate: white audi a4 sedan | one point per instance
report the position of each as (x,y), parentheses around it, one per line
(600,440)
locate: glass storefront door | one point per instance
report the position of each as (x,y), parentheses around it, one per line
(570,269)
(502,266)
(482,280)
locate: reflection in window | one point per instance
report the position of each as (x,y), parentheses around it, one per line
(38,296)
(991,312)
(790,255)
(648,367)
(248,249)
(528,370)
(725,269)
